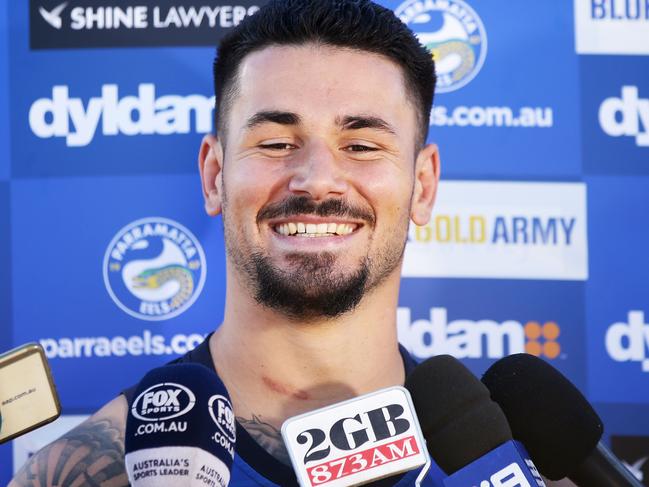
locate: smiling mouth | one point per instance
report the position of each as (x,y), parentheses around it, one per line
(299,229)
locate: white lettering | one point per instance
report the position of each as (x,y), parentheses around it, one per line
(628,342)
(130,115)
(626,116)
(460,338)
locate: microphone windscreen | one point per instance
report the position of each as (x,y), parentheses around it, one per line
(180,429)
(457,416)
(546,412)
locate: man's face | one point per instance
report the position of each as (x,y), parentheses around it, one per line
(317,177)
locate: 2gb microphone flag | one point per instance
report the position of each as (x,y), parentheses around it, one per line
(365,438)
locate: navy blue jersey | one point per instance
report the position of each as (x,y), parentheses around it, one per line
(253,466)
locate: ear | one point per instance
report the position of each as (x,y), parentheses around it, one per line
(427,167)
(210,164)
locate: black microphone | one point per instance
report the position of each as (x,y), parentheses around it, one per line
(467,433)
(556,423)
(180,429)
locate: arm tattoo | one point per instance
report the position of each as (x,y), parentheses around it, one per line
(267,436)
(91,455)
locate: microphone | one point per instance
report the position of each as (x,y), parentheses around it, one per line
(353,442)
(467,433)
(554,420)
(28,397)
(180,429)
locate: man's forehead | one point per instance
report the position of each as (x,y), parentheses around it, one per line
(348,82)
(306,60)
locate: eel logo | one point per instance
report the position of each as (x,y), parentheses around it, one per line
(453,33)
(154,269)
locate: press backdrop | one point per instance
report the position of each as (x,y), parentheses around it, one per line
(538,243)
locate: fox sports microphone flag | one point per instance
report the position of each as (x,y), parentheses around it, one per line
(352,442)
(180,429)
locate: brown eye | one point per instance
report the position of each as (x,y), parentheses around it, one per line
(360,148)
(277,146)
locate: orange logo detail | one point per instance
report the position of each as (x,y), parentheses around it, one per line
(542,339)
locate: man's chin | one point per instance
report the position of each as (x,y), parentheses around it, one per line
(309,288)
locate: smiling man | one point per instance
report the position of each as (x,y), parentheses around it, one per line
(319,166)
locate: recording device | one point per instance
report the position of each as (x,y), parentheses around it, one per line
(466,432)
(356,441)
(28,398)
(555,422)
(180,429)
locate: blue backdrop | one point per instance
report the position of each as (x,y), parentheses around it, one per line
(545,104)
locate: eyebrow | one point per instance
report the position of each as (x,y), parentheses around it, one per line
(357,122)
(273,116)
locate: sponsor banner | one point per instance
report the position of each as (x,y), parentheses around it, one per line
(25,446)
(111,128)
(137,291)
(615,114)
(143,102)
(502,230)
(496,91)
(612,26)
(633,451)
(106,112)
(91,23)
(618,291)
(482,321)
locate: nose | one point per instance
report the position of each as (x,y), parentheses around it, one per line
(319,173)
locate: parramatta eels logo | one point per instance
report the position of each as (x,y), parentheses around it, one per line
(453,33)
(154,269)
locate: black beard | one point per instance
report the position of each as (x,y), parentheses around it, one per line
(310,293)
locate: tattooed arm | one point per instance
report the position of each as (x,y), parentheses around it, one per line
(90,455)
(267,436)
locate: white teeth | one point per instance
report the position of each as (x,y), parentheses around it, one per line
(315,229)
(343,229)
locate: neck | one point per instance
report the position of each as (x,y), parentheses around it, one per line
(275,368)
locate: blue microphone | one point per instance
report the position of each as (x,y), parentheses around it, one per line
(180,429)
(467,433)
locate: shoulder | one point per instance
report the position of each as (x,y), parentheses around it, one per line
(90,454)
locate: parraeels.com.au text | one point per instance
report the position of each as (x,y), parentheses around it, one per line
(146,343)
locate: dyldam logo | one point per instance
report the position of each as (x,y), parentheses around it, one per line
(356,440)
(627,116)
(476,339)
(629,341)
(63,116)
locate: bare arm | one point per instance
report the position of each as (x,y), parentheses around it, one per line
(90,455)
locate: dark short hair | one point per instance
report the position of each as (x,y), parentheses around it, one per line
(355,24)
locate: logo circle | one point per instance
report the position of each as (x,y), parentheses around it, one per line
(163,401)
(454,34)
(223,416)
(154,269)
